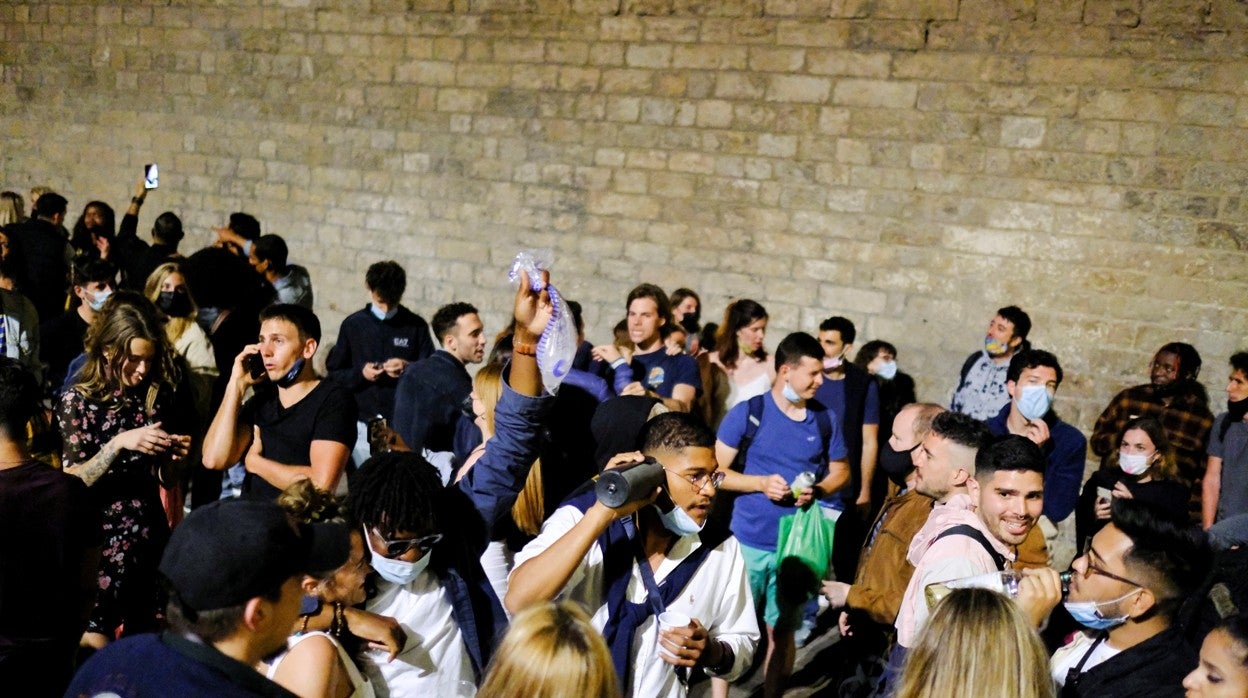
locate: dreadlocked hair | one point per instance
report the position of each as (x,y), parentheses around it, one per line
(396,491)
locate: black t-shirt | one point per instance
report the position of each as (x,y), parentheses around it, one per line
(48,525)
(327,413)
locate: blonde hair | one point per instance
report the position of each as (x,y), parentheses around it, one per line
(530,508)
(977,642)
(11,210)
(174,326)
(551,651)
(306,503)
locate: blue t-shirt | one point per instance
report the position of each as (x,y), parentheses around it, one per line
(782,446)
(832,394)
(661,372)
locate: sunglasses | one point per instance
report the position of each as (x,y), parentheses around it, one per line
(395,548)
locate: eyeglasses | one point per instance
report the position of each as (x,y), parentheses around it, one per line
(1093,569)
(395,548)
(716,478)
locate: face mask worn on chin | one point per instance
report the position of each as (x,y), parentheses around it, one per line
(98,298)
(174,304)
(1088,614)
(398,571)
(887,370)
(1133,463)
(995,347)
(831,363)
(678,521)
(380,315)
(1034,401)
(790,394)
(289,379)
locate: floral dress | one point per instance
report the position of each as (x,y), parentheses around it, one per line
(128,495)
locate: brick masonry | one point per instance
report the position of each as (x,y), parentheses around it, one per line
(913,165)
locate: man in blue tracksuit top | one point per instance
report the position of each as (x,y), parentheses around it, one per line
(375,346)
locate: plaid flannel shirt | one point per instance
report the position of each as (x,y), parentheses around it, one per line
(1186,421)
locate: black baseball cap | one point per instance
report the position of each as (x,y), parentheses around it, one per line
(233,550)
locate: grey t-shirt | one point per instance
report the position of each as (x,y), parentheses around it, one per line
(1233,450)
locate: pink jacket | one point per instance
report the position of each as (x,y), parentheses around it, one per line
(953,557)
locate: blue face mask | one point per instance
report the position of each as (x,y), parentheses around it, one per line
(679,521)
(790,394)
(1034,401)
(289,379)
(887,370)
(97,299)
(398,571)
(380,315)
(1088,613)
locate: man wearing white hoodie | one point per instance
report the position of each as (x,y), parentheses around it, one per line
(988,497)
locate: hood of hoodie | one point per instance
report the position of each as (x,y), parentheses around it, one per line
(958,510)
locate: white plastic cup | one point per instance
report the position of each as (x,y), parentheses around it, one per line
(669,620)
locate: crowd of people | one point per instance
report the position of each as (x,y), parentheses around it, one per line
(192,509)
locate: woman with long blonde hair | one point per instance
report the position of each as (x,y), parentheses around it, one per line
(529,510)
(551,651)
(977,643)
(167,289)
(119,438)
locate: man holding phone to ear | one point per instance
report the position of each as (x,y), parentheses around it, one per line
(296,426)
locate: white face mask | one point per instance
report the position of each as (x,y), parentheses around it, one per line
(831,363)
(887,370)
(789,394)
(97,299)
(679,521)
(1133,463)
(398,571)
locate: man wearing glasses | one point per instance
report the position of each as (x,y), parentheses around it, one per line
(651,557)
(1126,590)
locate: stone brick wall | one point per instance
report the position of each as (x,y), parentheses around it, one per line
(913,164)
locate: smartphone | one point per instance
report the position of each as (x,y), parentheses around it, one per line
(151,176)
(1103,493)
(378,441)
(254,363)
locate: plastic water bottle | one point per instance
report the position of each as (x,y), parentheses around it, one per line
(1005,582)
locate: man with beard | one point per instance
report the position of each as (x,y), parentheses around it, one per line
(1173,398)
(988,497)
(981,383)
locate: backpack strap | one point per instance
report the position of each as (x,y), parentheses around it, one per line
(977,535)
(967,366)
(753,420)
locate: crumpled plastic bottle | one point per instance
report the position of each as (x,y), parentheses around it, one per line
(557,346)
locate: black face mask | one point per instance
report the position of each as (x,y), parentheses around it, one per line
(895,464)
(174,303)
